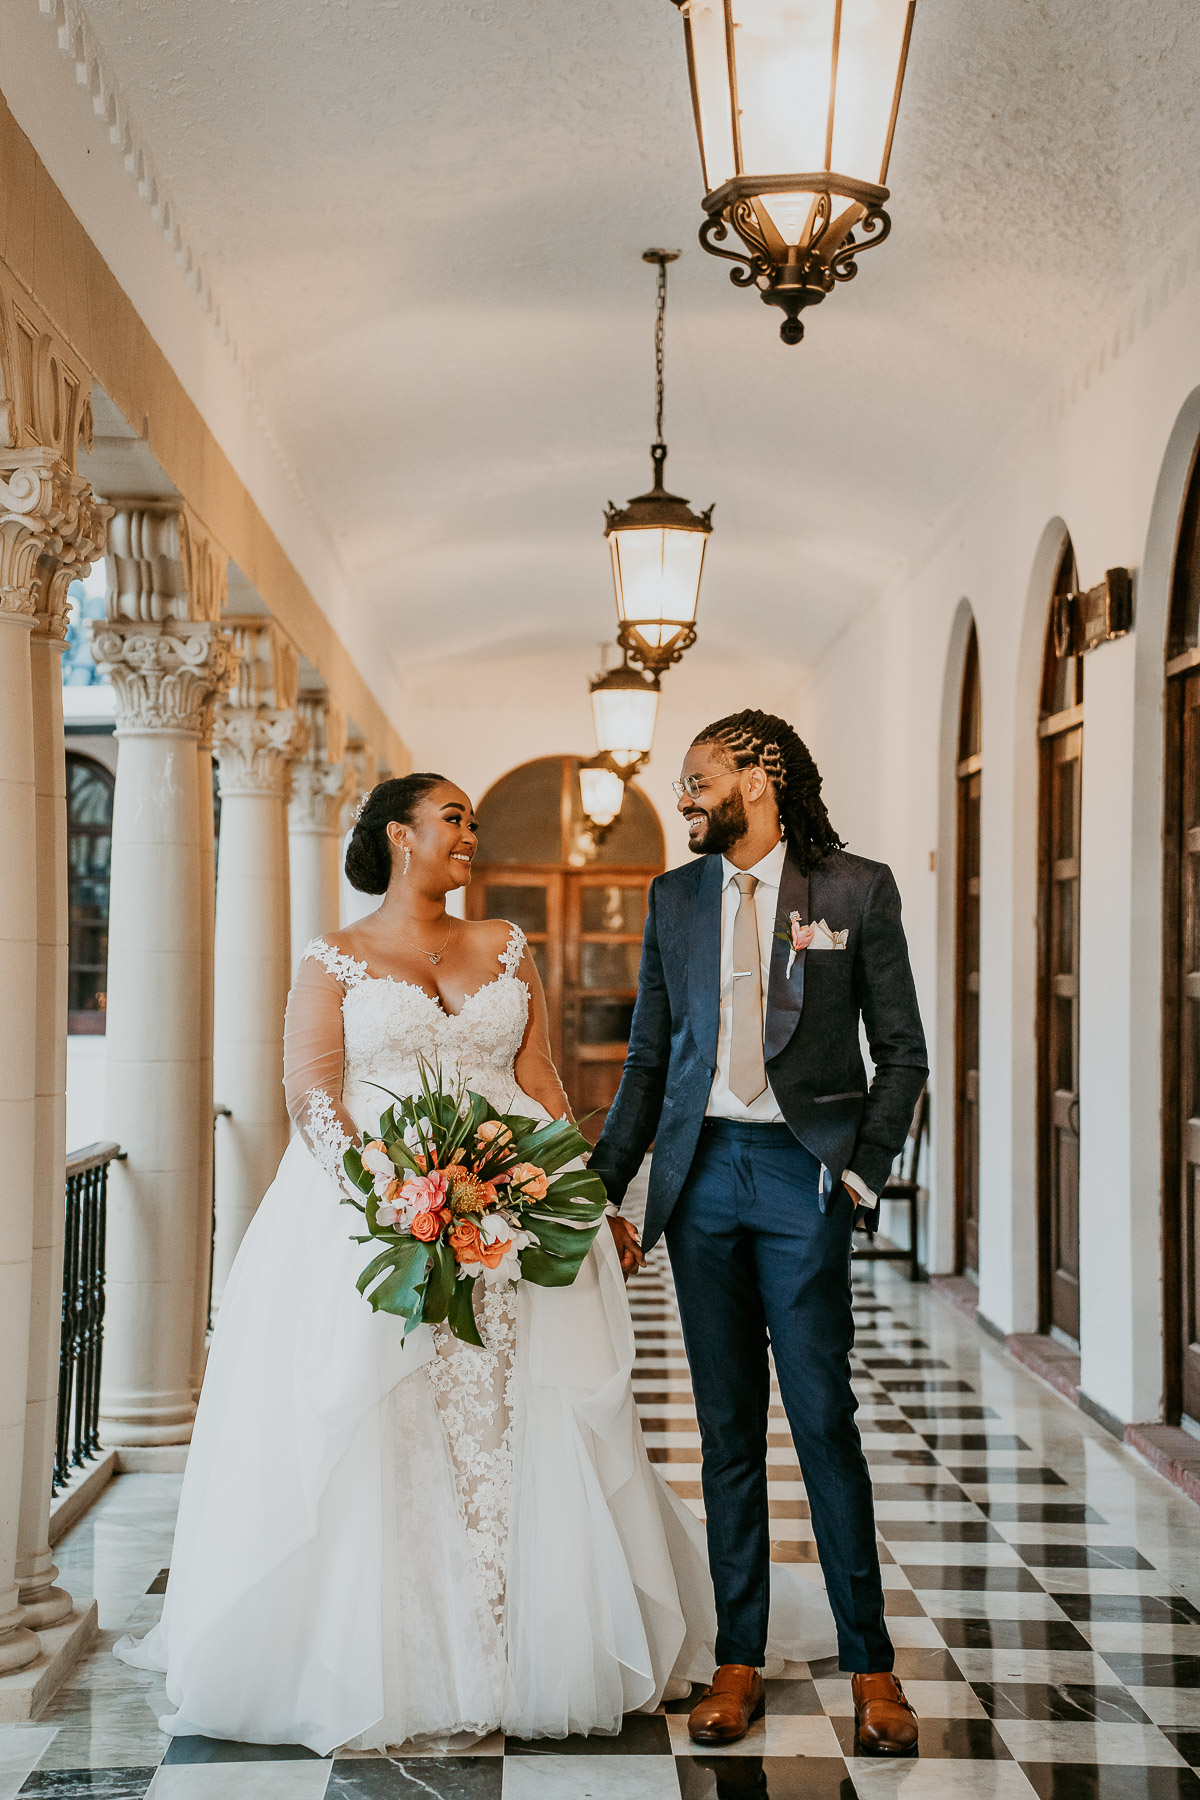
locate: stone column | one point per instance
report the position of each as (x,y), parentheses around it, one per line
(362,772)
(19,550)
(258,734)
(213,573)
(319,780)
(77,542)
(165,664)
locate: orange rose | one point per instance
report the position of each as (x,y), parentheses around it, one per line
(465,1241)
(532,1181)
(425,1226)
(491,1255)
(493,1134)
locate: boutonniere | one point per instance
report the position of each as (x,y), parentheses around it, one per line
(798,936)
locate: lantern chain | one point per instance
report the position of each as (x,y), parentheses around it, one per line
(659,327)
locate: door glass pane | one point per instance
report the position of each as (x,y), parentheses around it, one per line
(609,965)
(614,908)
(605,1021)
(523,906)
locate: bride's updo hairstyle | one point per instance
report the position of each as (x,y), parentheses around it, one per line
(368,854)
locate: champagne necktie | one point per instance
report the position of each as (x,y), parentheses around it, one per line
(747,1076)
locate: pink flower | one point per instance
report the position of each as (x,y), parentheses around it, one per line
(802,935)
(424,1193)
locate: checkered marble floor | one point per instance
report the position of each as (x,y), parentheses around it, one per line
(1043,1591)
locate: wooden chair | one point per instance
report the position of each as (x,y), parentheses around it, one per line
(905,1188)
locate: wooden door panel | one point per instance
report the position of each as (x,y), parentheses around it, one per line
(1183,1056)
(1058,1028)
(966,1129)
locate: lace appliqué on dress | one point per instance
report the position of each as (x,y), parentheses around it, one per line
(510,957)
(326,1133)
(339,963)
(474,1393)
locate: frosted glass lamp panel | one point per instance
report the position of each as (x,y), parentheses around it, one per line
(657,576)
(784,52)
(869,68)
(710,73)
(624,719)
(602,792)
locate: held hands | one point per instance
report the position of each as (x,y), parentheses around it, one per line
(628,1248)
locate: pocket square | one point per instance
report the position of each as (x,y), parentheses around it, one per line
(825,938)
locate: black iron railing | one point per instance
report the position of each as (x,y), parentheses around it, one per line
(78,1435)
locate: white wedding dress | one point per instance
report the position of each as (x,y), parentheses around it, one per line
(379,1540)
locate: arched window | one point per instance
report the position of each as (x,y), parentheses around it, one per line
(1181,976)
(89,852)
(966,1124)
(582,906)
(1060,731)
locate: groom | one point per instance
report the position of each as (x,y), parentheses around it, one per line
(744,1070)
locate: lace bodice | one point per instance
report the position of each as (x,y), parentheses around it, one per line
(389,1024)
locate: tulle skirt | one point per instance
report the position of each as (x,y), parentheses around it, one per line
(337,1579)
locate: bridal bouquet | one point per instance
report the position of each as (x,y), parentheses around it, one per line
(456,1191)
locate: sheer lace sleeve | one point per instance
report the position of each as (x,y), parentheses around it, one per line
(313,1057)
(534,1065)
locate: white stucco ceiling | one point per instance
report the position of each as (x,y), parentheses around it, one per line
(425,218)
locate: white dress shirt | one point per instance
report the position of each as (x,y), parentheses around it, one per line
(723,1103)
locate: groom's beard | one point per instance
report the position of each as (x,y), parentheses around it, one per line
(725,826)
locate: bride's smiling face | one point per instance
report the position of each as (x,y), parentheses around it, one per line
(441,837)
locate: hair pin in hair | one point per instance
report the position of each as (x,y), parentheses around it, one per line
(361,808)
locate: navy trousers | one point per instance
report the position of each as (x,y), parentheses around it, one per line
(755,1260)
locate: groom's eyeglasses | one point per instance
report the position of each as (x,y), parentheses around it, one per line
(694,785)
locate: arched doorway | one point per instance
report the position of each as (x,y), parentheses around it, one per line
(1181,985)
(89,856)
(1060,733)
(582,905)
(969,773)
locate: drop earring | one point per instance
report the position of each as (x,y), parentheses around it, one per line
(407,858)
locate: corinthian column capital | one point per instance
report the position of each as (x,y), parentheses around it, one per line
(258,731)
(255,750)
(362,772)
(166,675)
(51,530)
(320,776)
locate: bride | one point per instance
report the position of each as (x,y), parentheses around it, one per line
(381,1540)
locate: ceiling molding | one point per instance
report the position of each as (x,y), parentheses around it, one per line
(78,45)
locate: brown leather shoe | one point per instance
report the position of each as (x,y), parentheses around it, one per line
(886,1723)
(726,1710)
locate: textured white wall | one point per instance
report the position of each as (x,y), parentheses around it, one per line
(1092,467)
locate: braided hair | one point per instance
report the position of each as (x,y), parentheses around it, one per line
(368,854)
(749,739)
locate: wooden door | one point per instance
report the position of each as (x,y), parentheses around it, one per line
(966,997)
(605,913)
(533,899)
(1181,979)
(1062,758)
(1183,1058)
(1060,820)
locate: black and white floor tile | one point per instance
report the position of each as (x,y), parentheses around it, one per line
(1043,1591)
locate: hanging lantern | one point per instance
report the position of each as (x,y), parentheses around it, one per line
(602,791)
(624,711)
(657,542)
(795,104)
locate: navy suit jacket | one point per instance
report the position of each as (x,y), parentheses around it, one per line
(811,1036)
